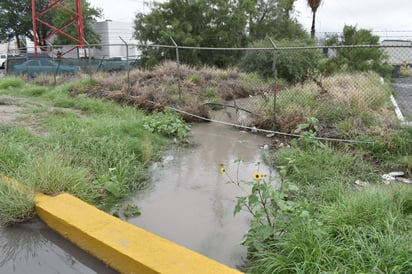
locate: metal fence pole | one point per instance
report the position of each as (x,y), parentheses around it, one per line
(6,67)
(178,69)
(58,65)
(127,64)
(90,59)
(275,75)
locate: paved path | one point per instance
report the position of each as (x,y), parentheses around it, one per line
(403,96)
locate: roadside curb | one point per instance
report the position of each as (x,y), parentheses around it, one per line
(123,246)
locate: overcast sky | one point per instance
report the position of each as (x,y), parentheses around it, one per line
(388,16)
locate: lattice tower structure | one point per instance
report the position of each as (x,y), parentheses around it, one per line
(74,17)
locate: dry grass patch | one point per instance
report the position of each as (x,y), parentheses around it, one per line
(155,89)
(354,104)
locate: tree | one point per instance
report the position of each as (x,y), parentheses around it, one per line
(213,23)
(196,23)
(16,20)
(355,58)
(291,65)
(314,5)
(272,18)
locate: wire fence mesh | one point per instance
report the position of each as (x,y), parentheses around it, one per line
(345,87)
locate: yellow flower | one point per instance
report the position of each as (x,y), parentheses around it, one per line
(257,176)
(264,175)
(222,170)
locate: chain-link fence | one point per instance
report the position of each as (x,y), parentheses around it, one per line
(345,88)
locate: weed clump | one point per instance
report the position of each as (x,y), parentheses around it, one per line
(16,201)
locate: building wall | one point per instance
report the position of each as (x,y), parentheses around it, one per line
(398,55)
(112,45)
(10,48)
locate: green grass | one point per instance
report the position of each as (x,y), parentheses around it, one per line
(96,150)
(324,173)
(363,232)
(16,203)
(355,104)
(11,83)
(345,229)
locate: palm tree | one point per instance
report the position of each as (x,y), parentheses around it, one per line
(314,5)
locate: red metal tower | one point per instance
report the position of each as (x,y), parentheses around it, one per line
(74,17)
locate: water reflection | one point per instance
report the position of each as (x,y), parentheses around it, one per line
(189,201)
(20,242)
(32,247)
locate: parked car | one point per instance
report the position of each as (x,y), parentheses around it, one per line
(117,64)
(3,60)
(43,66)
(112,64)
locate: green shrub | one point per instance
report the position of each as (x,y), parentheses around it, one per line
(292,65)
(195,78)
(35,91)
(167,124)
(360,58)
(210,92)
(11,82)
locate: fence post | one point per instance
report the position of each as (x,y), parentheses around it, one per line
(275,75)
(178,68)
(127,64)
(6,66)
(58,64)
(90,58)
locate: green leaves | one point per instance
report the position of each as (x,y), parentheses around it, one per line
(167,124)
(269,205)
(358,59)
(114,187)
(213,23)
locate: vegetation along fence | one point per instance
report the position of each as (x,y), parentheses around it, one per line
(344,92)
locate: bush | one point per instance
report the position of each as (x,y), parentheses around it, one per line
(292,65)
(167,124)
(357,59)
(11,82)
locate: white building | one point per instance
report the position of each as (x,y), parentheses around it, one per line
(110,46)
(111,34)
(399,51)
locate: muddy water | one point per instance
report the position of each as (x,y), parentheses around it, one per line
(32,247)
(189,201)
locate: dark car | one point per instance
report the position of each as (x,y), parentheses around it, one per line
(43,66)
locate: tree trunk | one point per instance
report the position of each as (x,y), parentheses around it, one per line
(312,29)
(18,41)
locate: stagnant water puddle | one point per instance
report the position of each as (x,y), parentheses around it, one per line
(189,201)
(32,247)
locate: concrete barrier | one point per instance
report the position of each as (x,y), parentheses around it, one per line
(123,246)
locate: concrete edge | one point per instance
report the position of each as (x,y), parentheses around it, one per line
(397,109)
(123,246)
(399,113)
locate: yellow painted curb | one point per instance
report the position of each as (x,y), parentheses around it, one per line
(123,246)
